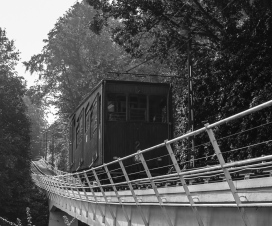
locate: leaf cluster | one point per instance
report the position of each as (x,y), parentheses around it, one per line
(16,186)
(230,50)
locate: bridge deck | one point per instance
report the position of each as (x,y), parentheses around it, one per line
(233,193)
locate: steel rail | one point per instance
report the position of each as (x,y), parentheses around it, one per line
(185,173)
(249,205)
(68,185)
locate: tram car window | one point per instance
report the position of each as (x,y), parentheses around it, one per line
(117,119)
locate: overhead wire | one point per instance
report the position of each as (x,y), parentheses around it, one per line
(252,145)
(244,131)
(221,138)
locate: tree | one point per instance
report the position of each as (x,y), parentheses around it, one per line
(15,179)
(36,114)
(14,132)
(73,60)
(230,51)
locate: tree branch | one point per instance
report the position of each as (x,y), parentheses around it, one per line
(212,19)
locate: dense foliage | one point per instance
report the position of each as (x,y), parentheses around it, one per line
(36,114)
(16,188)
(73,60)
(230,49)
(229,43)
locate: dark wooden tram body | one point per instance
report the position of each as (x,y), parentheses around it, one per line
(119,118)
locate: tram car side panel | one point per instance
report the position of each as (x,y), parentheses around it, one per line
(119,118)
(136,117)
(86,125)
(93,137)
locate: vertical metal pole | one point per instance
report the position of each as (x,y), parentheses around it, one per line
(57,190)
(61,185)
(46,145)
(72,189)
(183,182)
(127,108)
(54,189)
(85,193)
(77,185)
(105,197)
(82,187)
(57,182)
(51,188)
(155,188)
(48,185)
(190,102)
(95,198)
(72,186)
(65,186)
(117,194)
(132,192)
(53,143)
(227,174)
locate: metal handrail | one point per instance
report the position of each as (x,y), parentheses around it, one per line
(239,115)
(72,185)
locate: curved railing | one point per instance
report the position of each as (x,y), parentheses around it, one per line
(129,180)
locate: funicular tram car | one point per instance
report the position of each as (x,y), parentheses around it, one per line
(119,118)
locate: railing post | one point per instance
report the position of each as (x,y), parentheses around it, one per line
(47,187)
(52,188)
(183,182)
(117,194)
(227,174)
(79,195)
(105,197)
(72,189)
(76,185)
(86,196)
(132,192)
(65,189)
(62,191)
(65,186)
(95,199)
(83,188)
(154,188)
(57,189)
(58,182)
(50,185)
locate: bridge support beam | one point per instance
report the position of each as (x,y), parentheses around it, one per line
(211,215)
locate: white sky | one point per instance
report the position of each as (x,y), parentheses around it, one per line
(28,22)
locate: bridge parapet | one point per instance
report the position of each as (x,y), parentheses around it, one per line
(130,183)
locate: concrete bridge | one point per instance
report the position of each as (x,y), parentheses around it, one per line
(223,194)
